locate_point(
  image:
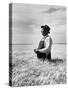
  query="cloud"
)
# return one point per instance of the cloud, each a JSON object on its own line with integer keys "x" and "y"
{"x": 53, "y": 9}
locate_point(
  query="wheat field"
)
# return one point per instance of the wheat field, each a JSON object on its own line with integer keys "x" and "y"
{"x": 28, "y": 70}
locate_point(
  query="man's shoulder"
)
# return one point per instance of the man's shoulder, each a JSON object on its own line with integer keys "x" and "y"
{"x": 48, "y": 38}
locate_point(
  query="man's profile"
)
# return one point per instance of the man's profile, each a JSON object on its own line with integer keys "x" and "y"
{"x": 44, "y": 47}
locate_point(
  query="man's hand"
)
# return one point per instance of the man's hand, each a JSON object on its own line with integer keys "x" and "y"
{"x": 36, "y": 50}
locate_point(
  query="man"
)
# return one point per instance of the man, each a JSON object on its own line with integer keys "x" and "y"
{"x": 44, "y": 49}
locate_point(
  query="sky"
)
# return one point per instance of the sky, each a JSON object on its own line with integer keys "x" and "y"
{"x": 28, "y": 18}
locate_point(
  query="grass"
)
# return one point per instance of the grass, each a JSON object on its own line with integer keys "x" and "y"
{"x": 30, "y": 71}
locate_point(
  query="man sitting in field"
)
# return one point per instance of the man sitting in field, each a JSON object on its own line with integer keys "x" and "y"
{"x": 44, "y": 49}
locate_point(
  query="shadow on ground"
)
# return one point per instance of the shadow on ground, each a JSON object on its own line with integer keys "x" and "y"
{"x": 56, "y": 60}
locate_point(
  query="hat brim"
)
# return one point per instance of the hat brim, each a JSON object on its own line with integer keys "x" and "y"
{"x": 42, "y": 26}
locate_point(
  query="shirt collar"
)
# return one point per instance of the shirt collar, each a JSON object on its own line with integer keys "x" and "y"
{"x": 46, "y": 36}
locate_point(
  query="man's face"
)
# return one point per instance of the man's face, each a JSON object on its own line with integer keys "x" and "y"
{"x": 44, "y": 33}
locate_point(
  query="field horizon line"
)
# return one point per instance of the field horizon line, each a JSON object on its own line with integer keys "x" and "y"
{"x": 32, "y": 44}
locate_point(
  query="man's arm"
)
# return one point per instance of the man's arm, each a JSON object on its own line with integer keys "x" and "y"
{"x": 47, "y": 44}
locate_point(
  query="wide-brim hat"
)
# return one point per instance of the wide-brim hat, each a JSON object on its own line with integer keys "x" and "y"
{"x": 46, "y": 28}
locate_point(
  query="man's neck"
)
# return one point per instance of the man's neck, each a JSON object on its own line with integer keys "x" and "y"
{"x": 46, "y": 35}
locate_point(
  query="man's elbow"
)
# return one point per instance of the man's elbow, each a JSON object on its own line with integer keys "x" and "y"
{"x": 47, "y": 50}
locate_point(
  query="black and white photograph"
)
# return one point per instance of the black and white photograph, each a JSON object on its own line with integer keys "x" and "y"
{"x": 37, "y": 44}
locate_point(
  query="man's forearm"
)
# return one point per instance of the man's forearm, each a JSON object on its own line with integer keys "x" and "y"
{"x": 44, "y": 50}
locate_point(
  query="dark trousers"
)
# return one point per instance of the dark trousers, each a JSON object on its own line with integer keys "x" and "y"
{"x": 43, "y": 55}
